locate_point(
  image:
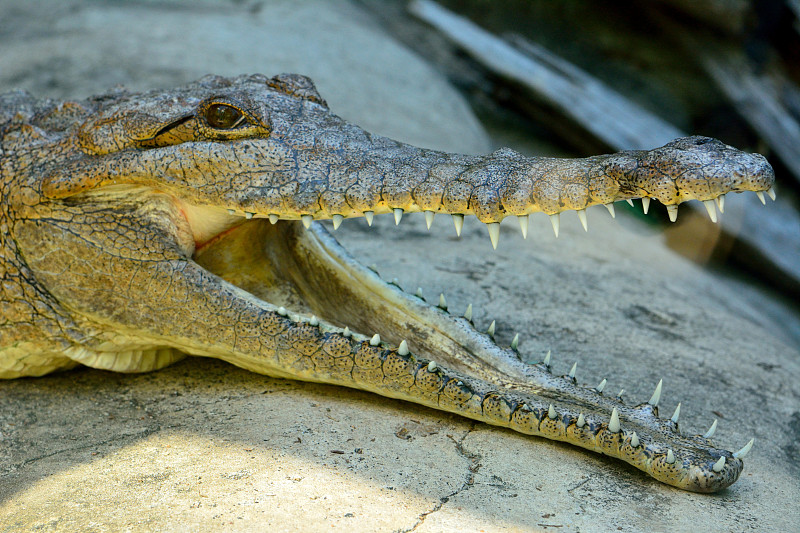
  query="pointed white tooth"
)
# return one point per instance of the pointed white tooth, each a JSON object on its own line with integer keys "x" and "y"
{"x": 745, "y": 450}
{"x": 630, "y": 202}
{"x": 602, "y": 385}
{"x": 458, "y": 222}
{"x": 761, "y": 197}
{"x": 432, "y": 366}
{"x": 712, "y": 210}
{"x": 273, "y": 219}
{"x": 676, "y": 414}
{"x": 396, "y": 282}
{"x": 515, "y": 342}
{"x": 403, "y": 348}
{"x": 713, "y": 429}
{"x": 492, "y": 328}
{"x": 621, "y": 392}
{"x": 314, "y": 321}
{"x": 494, "y": 233}
{"x": 468, "y": 313}
{"x": 613, "y": 424}
{"x": 645, "y": 204}
{"x": 248, "y": 215}
{"x": 375, "y": 340}
{"x": 337, "y": 221}
{"x": 369, "y": 216}
{"x": 572, "y": 370}
{"x": 442, "y": 302}
{"x": 546, "y": 361}
{"x": 672, "y": 211}
{"x": 654, "y": 399}
{"x": 581, "y": 420}
{"x": 418, "y": 294}
{"x": 523, "y": 225}
{"x": 556, "y": 222}
{"x": 610, "y": 207}
{"x": 719, "y": 465}
{"x": 429, "y": 218}
{"x": 307, "y": 219}
{"x": 582, "y": 218}
{"x": 373, "y": 267}
{"x": 771, "y": 193}
{"x": 670, "y": 456}
{"x": 231, "y": 212}
{"x": 720, "y": 200}
{"x": 282, "y": 311}
{"x": 346, "y": 332}
{"x": 398, "y": 215}
{"x": 635, "y": 440}
{"x": 551, "y": 412}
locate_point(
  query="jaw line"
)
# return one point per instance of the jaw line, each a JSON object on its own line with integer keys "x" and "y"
{"x": 309, "y": 273}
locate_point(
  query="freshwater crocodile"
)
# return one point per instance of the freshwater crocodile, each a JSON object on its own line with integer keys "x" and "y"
{"x": 136, "y": 228}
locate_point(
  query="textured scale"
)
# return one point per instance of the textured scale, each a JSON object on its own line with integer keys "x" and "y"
{"x": 135, "y": 228}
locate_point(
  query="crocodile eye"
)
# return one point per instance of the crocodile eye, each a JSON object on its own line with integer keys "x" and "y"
{"x": 223, "y": 116}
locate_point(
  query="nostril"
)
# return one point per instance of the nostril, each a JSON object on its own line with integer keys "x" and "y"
{"x": 702, "y": 140}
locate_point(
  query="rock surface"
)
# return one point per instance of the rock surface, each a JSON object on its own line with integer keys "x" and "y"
{"x": 206, "y": 446}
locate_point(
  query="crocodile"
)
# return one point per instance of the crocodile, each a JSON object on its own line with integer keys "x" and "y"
{"x": 137, "y": 228}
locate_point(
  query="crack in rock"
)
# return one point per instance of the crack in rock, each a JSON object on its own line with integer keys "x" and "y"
{"x": 474, "y": 467}
{"x": 139, "y": 435}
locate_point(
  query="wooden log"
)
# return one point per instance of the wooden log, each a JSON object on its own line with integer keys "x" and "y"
{"x": 728, "y": 15}
{"x": 769, "y": 238}
{"x": 603, "y": 112}
{"x": 759, "y": 97}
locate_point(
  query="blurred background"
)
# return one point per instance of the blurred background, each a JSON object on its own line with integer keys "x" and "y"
{"x": 578, "y": 77}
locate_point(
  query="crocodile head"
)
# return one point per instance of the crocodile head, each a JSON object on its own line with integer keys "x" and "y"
{"x": 183, "y": 221}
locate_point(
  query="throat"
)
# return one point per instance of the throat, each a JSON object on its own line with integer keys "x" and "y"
{"x": 208, "y": 222}
{"x": 255, "y": 256}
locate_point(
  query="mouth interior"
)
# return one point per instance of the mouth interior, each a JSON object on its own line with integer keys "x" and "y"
{"x": 308, "y": 272}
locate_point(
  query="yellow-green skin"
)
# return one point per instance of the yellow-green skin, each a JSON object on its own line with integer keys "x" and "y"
{"x": 135, "y": 228}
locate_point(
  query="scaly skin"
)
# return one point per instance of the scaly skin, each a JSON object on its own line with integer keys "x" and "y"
{"x": 140, "y": 227}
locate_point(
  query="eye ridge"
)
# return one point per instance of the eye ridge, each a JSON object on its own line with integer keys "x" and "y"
{"x": 223, "y": 116}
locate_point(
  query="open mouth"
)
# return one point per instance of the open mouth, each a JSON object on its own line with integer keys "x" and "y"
{"x": 308, "y": 274}
{"x": 428, "y": 355}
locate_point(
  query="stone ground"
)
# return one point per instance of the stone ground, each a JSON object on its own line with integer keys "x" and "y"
{"x": 204, "y": 446}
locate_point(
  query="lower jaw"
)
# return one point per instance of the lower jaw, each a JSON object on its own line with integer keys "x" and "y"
{"x": 309, "y": 274}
